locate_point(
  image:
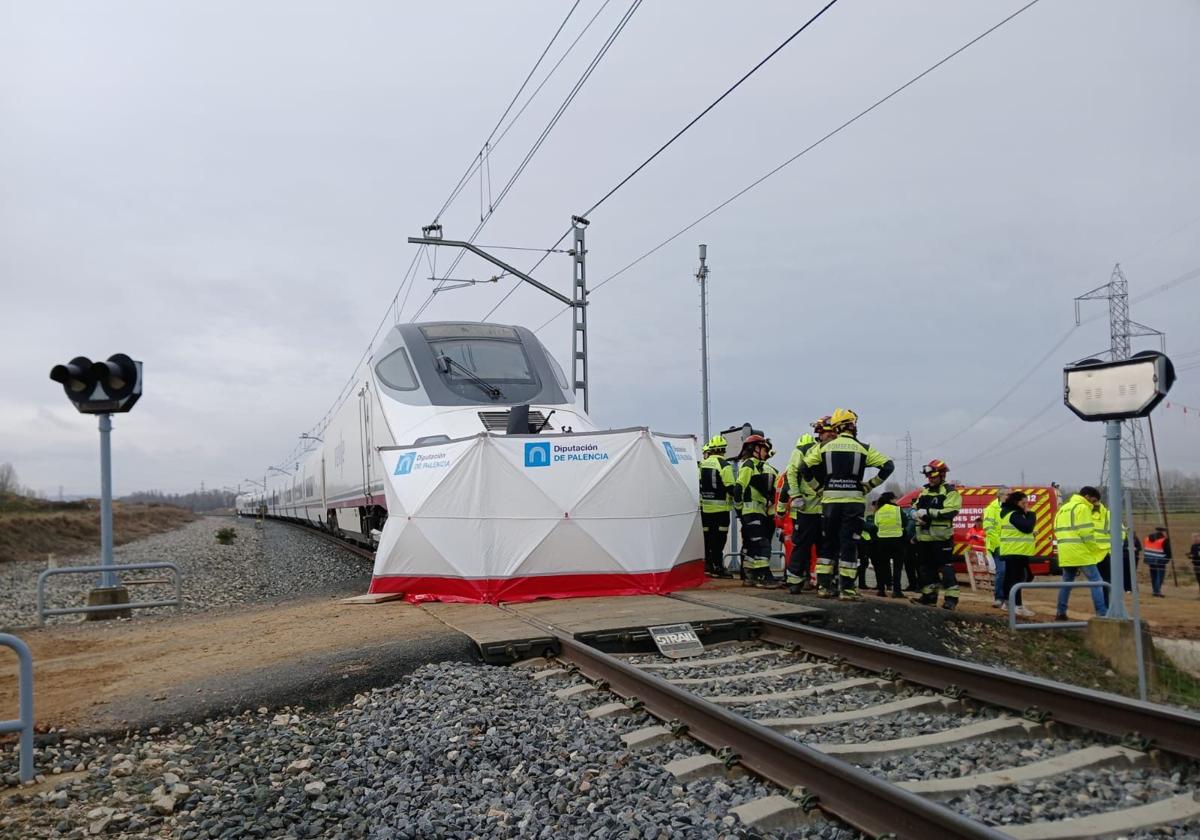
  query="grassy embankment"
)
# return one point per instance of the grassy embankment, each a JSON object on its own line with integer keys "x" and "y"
{"x": 31, "y": 529}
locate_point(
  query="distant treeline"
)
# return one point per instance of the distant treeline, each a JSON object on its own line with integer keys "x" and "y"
{"x": 198, "y": 501}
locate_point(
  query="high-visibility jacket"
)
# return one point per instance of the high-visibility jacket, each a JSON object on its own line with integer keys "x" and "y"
{"x": 755, "y": 487}
{"x": 1154, "y": 549}
{"x": 889, "y": 522}
{"x": 1101, "y": 522}
{"x": 1013, "y": 541}
{"x": 838, "y": 467}
{"x": 991, "y": 524}
{"x": 797, "y": 486}
{"x": 868, "y": 528}
{"x": 716, "y": 485}
{"x": 943, "y": 503}
{"x": 1074, "y": 533}
{"x": 976, "y": 539}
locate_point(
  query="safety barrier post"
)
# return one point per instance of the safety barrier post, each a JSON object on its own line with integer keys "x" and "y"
{"x": 24, "y": 721}
{"x": 42, "y": 611}
{"x": 1048, "y": 625}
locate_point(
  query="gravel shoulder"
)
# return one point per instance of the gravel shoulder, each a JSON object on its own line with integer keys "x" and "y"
{"x": 114, "y": 676}
{"x": 262, "y": 625}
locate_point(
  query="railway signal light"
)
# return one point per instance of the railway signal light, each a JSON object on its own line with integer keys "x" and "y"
{"x": 108, "y": 387}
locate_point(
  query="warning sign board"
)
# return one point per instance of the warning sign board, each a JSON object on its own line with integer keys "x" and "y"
{"x": 676, "y": 640}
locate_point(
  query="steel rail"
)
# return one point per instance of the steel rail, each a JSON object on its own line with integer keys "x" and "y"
{"x": 1165, "y": 727}
{"x": 840, "y": 789}
{"x": 313, "y": 530}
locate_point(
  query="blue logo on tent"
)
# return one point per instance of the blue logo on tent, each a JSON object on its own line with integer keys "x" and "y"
{"x": 671, "y": 452}
{"x": 537, "y": 454}
{"x": 405, "y": 464}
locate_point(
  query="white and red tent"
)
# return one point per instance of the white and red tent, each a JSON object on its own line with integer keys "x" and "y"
{"x": 519, "y": 517}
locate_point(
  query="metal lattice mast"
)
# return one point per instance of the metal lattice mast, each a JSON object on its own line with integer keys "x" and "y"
{"x": 910, "y": 477}
{"x": 1135, "y": 461}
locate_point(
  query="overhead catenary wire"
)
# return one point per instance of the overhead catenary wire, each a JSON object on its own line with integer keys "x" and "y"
{"x": 486, "y": 148}
{"x": 825, "y": 138}
{"x": 516, "y": 117}
{"x": 710, "y": 106}
{"x": 673, "y": 138}
{"x": 562, "y": 108}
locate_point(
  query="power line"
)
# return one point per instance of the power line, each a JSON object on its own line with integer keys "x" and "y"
{"x": 805, "y": 151}
{"x": 1008, "y": 437}
{"x": 711, "y": 105}
{"x": 1015, "y": 387}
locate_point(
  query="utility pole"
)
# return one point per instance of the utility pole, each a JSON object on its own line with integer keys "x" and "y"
{"x": 1135, "y": 462}
{"x": 579, "y": 359}
{"x": 702, "y": 278}
{"x": 577, "y": 302}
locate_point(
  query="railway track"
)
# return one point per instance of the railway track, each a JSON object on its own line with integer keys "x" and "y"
{"x": 871, "y": 735}
{"x": 353, "y": 548}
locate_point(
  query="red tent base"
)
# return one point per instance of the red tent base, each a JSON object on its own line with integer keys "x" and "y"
{"x": 494, "y": 590}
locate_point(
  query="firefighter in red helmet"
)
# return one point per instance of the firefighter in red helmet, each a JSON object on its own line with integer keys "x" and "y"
{"x": 755, "y": 496}
{"x": 933, "y": 511}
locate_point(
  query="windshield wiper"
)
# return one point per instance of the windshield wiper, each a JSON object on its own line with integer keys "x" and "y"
{"x": 487, "y": 387}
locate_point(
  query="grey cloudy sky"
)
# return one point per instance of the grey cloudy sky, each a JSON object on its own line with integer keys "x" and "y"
{"x": 224, "y": 191}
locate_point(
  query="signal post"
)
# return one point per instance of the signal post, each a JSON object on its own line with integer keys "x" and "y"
{"x": 103, "y": 388}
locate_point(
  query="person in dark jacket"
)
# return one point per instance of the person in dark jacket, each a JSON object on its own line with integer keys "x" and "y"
{"x": 1194, "y": 553}
{"x": 1016, "y": 543}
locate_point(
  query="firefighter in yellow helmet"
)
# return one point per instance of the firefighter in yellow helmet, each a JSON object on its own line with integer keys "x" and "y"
{"x": 933, "y": 511}
{"x": 805, "y": 503}
{"x": 838, "y": 467}
{"x": 717, "y": 485}
{"x": 755, "y": 492}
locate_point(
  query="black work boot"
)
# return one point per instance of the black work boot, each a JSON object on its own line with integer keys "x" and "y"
{"x": 949, "y": 603}
{"x": 929, "y": 599}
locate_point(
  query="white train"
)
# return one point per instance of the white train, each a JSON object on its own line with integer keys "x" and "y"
{"x": 427, "y": 383}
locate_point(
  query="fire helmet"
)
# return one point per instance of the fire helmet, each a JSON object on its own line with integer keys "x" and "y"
{"x": 935, "y": 467}
{"x": 843, "y": 418}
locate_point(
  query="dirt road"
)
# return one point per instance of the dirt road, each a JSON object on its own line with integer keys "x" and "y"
{"x": 107, "y": 677}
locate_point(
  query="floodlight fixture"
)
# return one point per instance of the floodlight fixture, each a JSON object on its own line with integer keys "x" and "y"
{"x": 1120, "y": 390}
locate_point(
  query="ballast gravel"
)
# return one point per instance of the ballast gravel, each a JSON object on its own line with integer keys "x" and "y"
{"x": 1078, "y": 794}
{"x": 453, "y": 750}
{"x": 974, "y": 757}
{"x": 274, "y": 562}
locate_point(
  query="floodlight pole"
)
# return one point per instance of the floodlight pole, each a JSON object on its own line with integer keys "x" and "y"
{"x": 702, "y": 278}
{"x": 578, "y": 301}
{"x": 1116, "y": 545}
{"x": 108, "y": 578}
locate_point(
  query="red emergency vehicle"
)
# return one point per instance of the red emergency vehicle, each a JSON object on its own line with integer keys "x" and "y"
{"x": 1043, "y": 501}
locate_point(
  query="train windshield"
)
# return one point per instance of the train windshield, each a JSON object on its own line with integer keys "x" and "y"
{"x": 485, "y": 369}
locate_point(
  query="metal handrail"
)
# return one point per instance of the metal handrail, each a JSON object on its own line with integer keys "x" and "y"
{"x": 42, "y": 611}
{"x": 24, "y": 721}
{"x": 1052, "y": 584}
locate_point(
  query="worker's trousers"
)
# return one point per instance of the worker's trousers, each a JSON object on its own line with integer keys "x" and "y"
{"x": 842, "y": 523}
{"x": 936, "y": 561}
{"x": 887, "y": 555}
{"x": 806, "y": 535}
{"x": 757, "y": 531}
{"x": 716, "y": 532}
